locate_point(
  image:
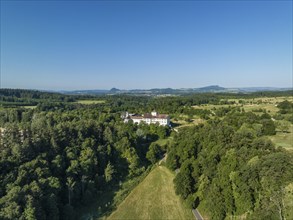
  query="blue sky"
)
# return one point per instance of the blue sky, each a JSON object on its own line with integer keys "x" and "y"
{"x": 145, "y": 44}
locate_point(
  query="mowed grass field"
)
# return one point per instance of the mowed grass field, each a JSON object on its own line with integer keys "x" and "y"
{"x": 90, "y": 102}
{"x": 153, "y": 198}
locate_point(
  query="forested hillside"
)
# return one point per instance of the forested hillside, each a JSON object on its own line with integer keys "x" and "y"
{"x": 56, "y": 160}
{"x": 229, "y": 168}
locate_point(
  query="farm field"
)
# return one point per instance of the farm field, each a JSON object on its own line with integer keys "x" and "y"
{"x": 154, "y": 198}
{"x": 90, "y": 102}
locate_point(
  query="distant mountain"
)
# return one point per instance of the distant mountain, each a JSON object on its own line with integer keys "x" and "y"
{"x": 214, "y": 88}
{"x": 114, "y": 90}
{"x": 170, "y": 91}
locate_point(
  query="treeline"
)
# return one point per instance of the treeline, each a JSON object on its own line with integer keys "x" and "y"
{"x": 168, "y": 105}
{"x": 251, "y": 95}
{"x": 230, "y": 169}
{"x": 132, "y": 103}
{"x": 180, "y": 104}
{"x": 52, "y": 162}
{"x": 31, "y": 94}
{"x": 23, "y": 97}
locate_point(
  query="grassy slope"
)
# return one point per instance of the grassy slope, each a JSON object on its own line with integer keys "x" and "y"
{"x": 154, "y": 198}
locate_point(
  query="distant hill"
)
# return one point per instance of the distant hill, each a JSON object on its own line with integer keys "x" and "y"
{"x": 166, "y": 91}
{"x": 214, "y": 88}
{"x": 84, "y": 92}
{"x": 114, "y": 90}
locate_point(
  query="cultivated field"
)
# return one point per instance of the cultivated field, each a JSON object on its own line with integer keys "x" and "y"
{"x": 90, "y": 101}
{"x": 154, "y": 198}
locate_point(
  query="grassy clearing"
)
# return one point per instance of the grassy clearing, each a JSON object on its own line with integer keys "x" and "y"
{"x": 90, "y": 101}
{"x": 30, "y": 106}
{"x": 193, "y": 122}
{"x": 184, "y": 120}
{"x": 153, "y": 198}
{"x": 164, "y": 142}
{"x": 282, "y": 139}
{"x": 271, "y": 108}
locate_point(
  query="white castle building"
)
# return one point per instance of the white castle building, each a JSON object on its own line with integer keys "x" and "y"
{"x": 149, "y": 118}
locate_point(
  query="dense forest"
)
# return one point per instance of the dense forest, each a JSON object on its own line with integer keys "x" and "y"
{"x": 231, "y": 169}
{"x": 22, "y": 97}
{"x": 52, "y": 162}
{"x": 61, "y": 154}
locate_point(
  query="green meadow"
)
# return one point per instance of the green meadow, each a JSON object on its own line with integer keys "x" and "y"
{"x": 90, "y": 101}
{"x": 153, "y": 198}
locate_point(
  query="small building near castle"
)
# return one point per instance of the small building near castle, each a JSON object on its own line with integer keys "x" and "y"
{"x": 149, "y": 118}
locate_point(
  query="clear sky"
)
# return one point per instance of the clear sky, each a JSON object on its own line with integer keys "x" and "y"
{"x": 145, "y": 44}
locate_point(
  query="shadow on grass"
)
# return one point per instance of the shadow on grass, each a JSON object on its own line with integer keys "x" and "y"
{"x": 174, "y": 125}
{"x": 107, "y": 201}
{"x": 101, "y": 206}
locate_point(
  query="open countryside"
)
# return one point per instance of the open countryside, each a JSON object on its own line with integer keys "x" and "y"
{"x": 88, "y": 162}
{"x": 282, "y": 138}
{"x": 255, "y": 104}
{"x": 146, "y": 110}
